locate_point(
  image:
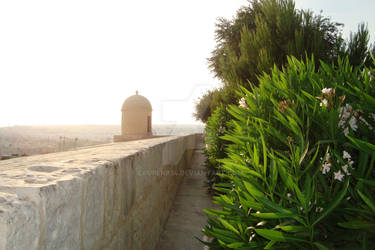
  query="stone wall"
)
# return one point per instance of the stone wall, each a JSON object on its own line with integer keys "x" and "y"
{"x": 113, "y": 196}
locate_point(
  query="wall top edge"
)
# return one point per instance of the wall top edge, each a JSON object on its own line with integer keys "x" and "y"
{"x": 43, "y": 170}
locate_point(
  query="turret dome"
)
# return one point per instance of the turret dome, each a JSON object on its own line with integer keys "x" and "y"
{"x": 136, "y": 102}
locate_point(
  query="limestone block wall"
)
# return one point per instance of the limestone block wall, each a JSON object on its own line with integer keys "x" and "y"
{"x": 113, "y": 196}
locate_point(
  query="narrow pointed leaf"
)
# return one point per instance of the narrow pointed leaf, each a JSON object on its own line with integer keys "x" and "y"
{"x": 334, "y": 203}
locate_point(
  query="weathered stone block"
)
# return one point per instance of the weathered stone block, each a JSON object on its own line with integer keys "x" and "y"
{"x": 19, "y": 223}
{"x": 112, "y": 209}
{"x": 147, "y": 166}
{"x": 127, "y": 185}
{"x": 62, "y": 212}
{"x": 93, "y": 208}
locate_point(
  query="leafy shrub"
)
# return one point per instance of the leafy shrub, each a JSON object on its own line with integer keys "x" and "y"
{"x": 263, "y": 33}
{"x": 202, "y": 107}
{"x": 215, "y": 145}
{"x": 300, "y": 169}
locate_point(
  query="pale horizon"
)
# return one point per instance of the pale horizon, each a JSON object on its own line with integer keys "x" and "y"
{"x": 75, "y": 62}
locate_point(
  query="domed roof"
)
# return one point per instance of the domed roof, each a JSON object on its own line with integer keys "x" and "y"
{"x": 136, "y": 102}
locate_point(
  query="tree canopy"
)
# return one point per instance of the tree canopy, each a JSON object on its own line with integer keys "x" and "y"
{"x": 262, "y": 35}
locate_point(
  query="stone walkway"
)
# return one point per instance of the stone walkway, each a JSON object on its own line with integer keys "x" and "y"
{"x": 186, "y": 219}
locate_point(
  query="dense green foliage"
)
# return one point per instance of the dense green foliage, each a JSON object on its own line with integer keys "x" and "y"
{"x": 202, "y": 106}
{"x": 216, "y": 126}
{"x": 358, "y": 49}
{"x": 263, "y": 34}
{"x": 300, "y": 166}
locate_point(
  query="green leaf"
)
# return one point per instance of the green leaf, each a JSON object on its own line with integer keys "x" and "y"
{"x": 366, "y": 181}
{"x": 256, "y": 155}
{"x": 251, "y": 204}
{"x": 279, "y": 209}
{"x": 274, "y": 174}
{"x": 367, "y": 200}
{"x": 272, "y": 215}
{"x": 300, "y": 196}
{"x": 285, "y": 176}
{"x": 216, "y": 212}
{"x": 227, "y": 225}
{"x": 231, "y": 138}
{"x": 219, "y": 236}
{"x": 226, "y": 233}
{"x": 312, "y": 161}
{"x": 236, "y": 245}
{"x": 356, "y": 224}
{"x": 334, "y": 203}
{"x": 292, "y": 229}
{"x": 270, "y": 244}
{"x": 271, "y": 235}
{"x": 277, "y": 235}
{"x": 238, "y": 168}
{"x": 274, "y": 206}
{"x": 320, "y": 246}
{"x": 363, "y": 145}
{"x": 253, "y": 190}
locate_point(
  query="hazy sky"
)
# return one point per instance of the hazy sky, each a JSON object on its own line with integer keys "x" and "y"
{"x": 75, "y": 62}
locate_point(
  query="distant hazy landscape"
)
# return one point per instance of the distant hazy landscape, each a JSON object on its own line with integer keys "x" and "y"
{"x": 31, "y": 140}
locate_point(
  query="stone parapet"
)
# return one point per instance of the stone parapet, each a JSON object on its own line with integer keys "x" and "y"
{"x": 113, "y": 196}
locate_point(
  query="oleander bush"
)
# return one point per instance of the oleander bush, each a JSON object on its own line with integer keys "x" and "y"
{"x": 299, "y": 165}
{"x": 216, "y": 127}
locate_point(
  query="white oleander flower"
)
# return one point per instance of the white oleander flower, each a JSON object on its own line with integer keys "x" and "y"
{"x": 345, "y": 112}
{"x": 342, "y": 123}
{"x": 339, "y": 176}
{"x": 324, "y": 102}
{"x": 326, "y": 168}
{"x": 346, "y": 155}
{"x": 319, "y": 209}
{"x": 326, "y": 90}
{"x": 353, "y": 123}
{"x": 345, "y": 168}
{"x": 242, "y": 102}
{"x": 328, "y": 157}
{"x": 344, "y": 115}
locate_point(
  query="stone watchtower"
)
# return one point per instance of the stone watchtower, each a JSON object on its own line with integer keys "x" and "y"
{"x": 136, "y": 122}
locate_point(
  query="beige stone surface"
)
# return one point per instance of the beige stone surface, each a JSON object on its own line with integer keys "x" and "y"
{"x": 113, "y": 196}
